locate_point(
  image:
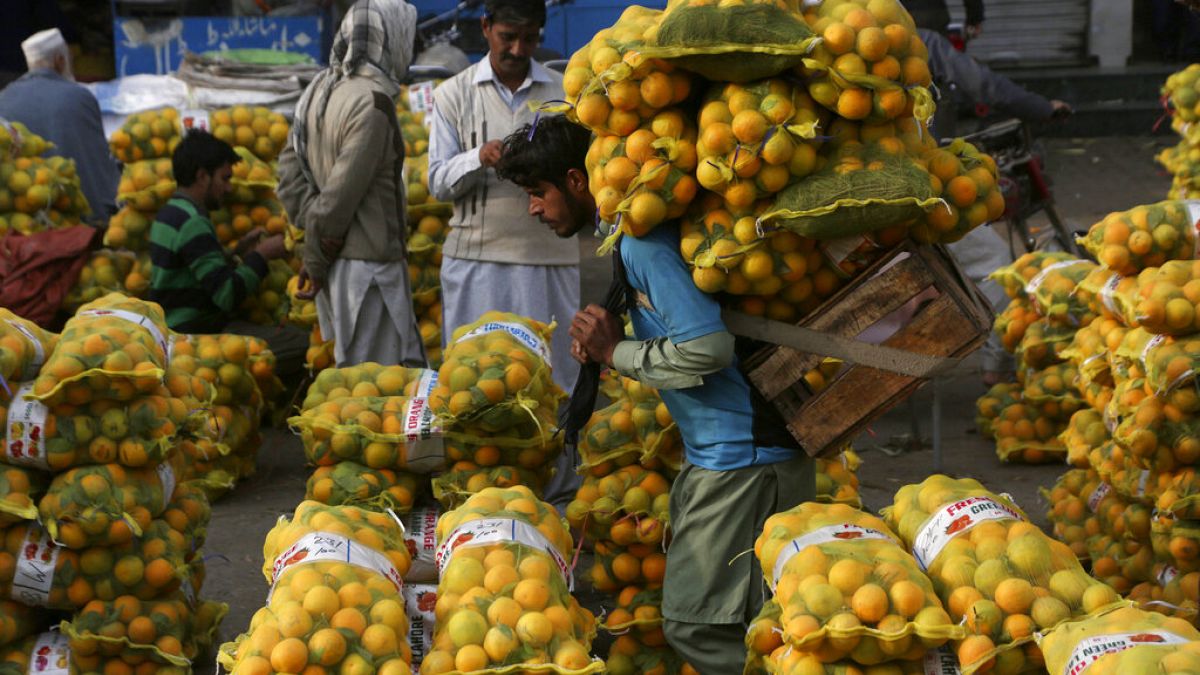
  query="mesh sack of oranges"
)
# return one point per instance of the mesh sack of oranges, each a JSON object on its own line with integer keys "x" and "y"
{"x": 463, "y": 479}
{"x": 1178, "y": 496}
{"x": 645, "y": 176}
{"x": 496, "y": 373}
{"x": 1053, "y": 389}
{"x": 529, "y": 445}
{"x": 1125, "y": 640}
{"x": 1042, "y": 346}
{"x": 39, "y": 573}
{"x": 235, "y": 219}
{"x": 1128, "y": 242}
{"x": 237, "y": 366}
{"x": 756, "y": 139}
{"x": 637, "y": 612}
{"x": 966, "y": 181}
{"x": 1097, "y": 396}
{"x": 16, "y": 140}
{"x": 147, "y": 135}
{"x": 985, "y": 560}
{"x": 335, "y": 597}
{"x": 1011, "y": 324}
{"x": 1090, "y": 347}
{"x": 252, "y": 172}
{"x": 1085, "y": 430}
{"x": 1053, "y": 292}
{"x": 113, "y": 348}
{"x": 204, "y": 462}
{"x": 1182, "y": 90}
{"x": 837, "y": 482}
{"x": 256, "y": 129}
{"x": 348, "y": 483}
{"x": 1014, "y": 277}
{"x": 1163, "y": 299}
{"x": 146, "y": 186}
{"x": 129, "y": 228}
{"x": 615, "y": 567}
{"x": 1169, "y": 363}
{"x": 396, "y": 432}
{"x": 1171, "y": 593}
{"x": 862, "y": 187}
{"x": 1099, "y": 290}
{"x": 869, "y": 62}
{"x": 1158, "y": 429}
{"x": 736, "y": 41}
{"x": 268, "y": 306}
{"x": 504, "y": 594}
{"x": 1072, "y": 520}
{"x": 728, "y": 254}
{"x": 612, "y": 86}
{"x": 1128, "y": 477}
{"x": 135, "y": 434}
{"x": 23, "y": 349}
{"x": 1120, "y": 562}
{"x": 628, "y": 506}
{"x": 40, "y": 194}
{"x": 161, "y": 631}
{"x": 319, "y": 355}
{"x": 871, "y": 604}
{"x": 107, "y": 504}
{"x": 989, "y": 406}
{"x": 20, "y": 490}
{"x": 20, "y": 621}
{"x": 1176, "y": 541}
{"x": 137, "y": 283}
{"x": 102, "y": 274}
{"x": 636, "y": 428}
{"x": 628, "y": 655}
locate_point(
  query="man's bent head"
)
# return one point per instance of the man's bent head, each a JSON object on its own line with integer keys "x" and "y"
{"x": 548, "y": 159}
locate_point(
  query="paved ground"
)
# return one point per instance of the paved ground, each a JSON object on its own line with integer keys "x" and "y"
{"x": 1092, "y": 177}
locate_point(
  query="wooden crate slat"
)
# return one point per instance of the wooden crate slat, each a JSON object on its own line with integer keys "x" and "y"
{"x": 862, "y": 394}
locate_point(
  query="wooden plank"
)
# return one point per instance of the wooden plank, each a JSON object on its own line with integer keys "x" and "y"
{"x": 778, "y": 368}
{"x": 860, "y": 395}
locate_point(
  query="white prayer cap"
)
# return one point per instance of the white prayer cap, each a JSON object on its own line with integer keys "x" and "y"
{"x": 43, "y": 45}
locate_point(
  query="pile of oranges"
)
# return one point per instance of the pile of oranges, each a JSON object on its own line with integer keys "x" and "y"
{"x": 147, "y": 135}
{"x": 255, "y": 129}
{"x": 1128, "y": 242}
{"x": 966, "y": 181}
{"x": 38, "y": 193}
{"x": 1135, "y": 641}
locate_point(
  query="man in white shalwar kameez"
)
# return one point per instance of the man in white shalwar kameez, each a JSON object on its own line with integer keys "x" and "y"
{"x": 340, "y": 178}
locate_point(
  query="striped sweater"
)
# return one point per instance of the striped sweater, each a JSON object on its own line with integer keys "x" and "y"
{"x": 193, "y": 278}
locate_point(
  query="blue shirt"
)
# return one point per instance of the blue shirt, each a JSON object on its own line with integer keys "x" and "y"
{"x": 716, "y": 418}
{"x": 67, "y": 115}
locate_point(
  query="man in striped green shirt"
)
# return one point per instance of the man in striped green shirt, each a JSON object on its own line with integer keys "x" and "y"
{"x": 198, "y": 283}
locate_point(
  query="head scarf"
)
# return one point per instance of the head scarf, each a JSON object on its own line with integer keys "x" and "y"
{"x": 375, "y": 33}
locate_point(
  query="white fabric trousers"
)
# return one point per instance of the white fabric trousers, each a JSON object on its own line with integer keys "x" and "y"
{"x": 366, "y": 309}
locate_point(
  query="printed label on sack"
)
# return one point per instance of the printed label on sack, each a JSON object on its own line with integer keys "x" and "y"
{"x": 1092, "y": 649}
{"x": 497, "y": 530}
{"x": 51, "y": 655}
{"x": 328, "y": 547}
{"x": 194, "y": 119}
{"x": 1166, "y": 575}
{"x": 39, "y": 352}
{"x": 1143, "y": 478}
{"x": 829, "y": 533}
{"x": 425, "y": 385}
{"x": 420, "y": 97}
{"x": 940, "y": 662}
{"x": 420, "y": 537}
{"x": 1153, "y": 343}
{"x": 35, "y": 568}
{"x": 1108, "y": 296}
{"x": 26, "y": 430}
{"x": 531, "y": 340}
{"x": 420, "y": 600}
{"x": 1098, "y": 496}
{"x": 1193, "y": 208}
{"x": 166, "y": 476}
{"x": 423, "y": 448}
{"x": 952, "y": 520}
{"x": 135, "y": 318}
{"x": 1036, "y": 282}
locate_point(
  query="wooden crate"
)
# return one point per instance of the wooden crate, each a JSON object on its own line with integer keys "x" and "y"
{"x": 953, "y": 322}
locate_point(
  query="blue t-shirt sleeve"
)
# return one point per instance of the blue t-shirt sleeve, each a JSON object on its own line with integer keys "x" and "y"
{"x": 655, "y": 267}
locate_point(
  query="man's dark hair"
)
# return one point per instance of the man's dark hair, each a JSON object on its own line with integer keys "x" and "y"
{"x": 516, "y": 11}
{"x": 544, "y": 151}
{"x": 200, "y": 150}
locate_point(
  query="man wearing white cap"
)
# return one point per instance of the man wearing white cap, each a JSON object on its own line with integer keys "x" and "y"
{"x": 48, "y": 101}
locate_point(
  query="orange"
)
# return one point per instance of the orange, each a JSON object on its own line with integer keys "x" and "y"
{"x": 854, "y": 103}
{"x": 839, "y": 38}
{"x": 872, "y": 43}
{"x": 962, "y": 190}
{"x": 870, "y": 603}
{"x": 289, "y": 656}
